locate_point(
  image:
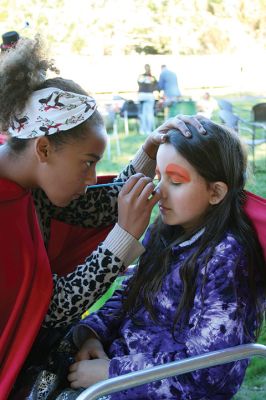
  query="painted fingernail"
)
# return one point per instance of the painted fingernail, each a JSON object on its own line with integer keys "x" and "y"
{"x": 202, "y": 130}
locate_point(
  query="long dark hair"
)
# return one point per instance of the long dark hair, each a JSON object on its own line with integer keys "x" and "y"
{"x": 217, "y": 156}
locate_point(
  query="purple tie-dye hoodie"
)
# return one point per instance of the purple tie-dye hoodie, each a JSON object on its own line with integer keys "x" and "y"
{"x": 216, "y": 321}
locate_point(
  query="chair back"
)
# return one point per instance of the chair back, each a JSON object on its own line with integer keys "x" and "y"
{"x": 131, "y": 108}
{"x": 225, "y": 105}
{"x": 229, "y": 119}
{"x": 259, "y": 112}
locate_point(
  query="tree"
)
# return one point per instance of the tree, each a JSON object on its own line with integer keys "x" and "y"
{"x": 139, "y": 26}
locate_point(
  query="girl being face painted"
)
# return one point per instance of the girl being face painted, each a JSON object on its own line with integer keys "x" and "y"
{"x": 186, "y": 196}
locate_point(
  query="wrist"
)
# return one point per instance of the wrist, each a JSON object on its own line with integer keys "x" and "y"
{"x": 150, "y": 148}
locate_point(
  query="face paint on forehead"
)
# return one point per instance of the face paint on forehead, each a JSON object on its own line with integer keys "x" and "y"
{"x": 177, "y": 173}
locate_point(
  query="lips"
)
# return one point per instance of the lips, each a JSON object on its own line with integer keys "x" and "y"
{"x": 163, "y": 208}
{"x": 78, "y": 194}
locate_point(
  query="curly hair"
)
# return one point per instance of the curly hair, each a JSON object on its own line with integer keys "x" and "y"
{"x": 22, "y": 70}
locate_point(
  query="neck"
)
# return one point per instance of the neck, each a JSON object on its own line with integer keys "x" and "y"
{"x": 17, "y": 168}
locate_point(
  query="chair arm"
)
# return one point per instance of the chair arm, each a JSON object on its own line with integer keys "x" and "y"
{"x": 174, "y": 368}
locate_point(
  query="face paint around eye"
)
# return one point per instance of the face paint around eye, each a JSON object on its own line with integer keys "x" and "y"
{"x": 177, "y": 173}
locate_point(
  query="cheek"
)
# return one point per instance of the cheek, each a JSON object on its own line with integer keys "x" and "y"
{"x": 187, "y": 195}
{"x": 69, "y": 177}
{"x": 83, "y": 172}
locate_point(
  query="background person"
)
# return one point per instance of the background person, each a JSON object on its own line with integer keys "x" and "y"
{"x": 147, "y": 85}
{"x": 206, "y": 105}
{"x": 169, "y": 85}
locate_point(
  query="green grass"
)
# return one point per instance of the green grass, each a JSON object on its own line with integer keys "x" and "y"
{"x": 254, "y": 385}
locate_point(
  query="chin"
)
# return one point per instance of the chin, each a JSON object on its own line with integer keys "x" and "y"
{"x": 61, "y": 203}
{"x": 168, "y": 221}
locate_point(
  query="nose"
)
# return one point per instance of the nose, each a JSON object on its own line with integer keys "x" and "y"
{"x": 91, "y": 178}
{"x": 160, "y": 188}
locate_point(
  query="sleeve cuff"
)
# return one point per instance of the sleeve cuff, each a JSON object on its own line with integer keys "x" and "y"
{"x": 123, "y": 245}
{"x": 80, "y": 334}
{"x": 143, "y": 163}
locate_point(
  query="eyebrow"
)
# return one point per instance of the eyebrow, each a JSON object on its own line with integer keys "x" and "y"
{"x": 93, "y": 155}
{"x": 177, "y": 170}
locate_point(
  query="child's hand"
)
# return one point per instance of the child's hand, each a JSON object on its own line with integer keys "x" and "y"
{"x": 179, "y": 122}
{"x": 92, "y": 348}
{"x": 135, "y": 203}
{"x": 87, "y": 372}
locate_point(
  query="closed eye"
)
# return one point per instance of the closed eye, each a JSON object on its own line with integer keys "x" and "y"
{"x": 176, "y": 183}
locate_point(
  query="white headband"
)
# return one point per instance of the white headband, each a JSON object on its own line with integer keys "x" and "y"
{"x": 49, "y": 111}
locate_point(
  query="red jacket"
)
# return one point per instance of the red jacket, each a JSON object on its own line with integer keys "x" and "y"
{"x": 26, "y": 278}
{"x": 25, "y": 282}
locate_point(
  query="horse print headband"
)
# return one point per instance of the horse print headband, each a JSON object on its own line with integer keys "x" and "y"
{"x": 49, "y": 111}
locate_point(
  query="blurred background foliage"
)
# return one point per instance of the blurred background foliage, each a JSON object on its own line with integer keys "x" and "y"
{"x": 123, "y": 27}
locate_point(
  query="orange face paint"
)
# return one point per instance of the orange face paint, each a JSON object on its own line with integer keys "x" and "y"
{"x": 177, "y": 173}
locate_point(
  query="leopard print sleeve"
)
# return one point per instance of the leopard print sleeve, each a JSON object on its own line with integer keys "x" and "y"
{"x": 76, "y": 292}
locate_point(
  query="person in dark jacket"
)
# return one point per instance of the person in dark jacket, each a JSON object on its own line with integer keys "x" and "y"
{"x": 147, "y": 85}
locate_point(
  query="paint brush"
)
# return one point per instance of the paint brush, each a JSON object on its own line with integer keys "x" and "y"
{"x": 111, "y": 184}
{"x": 103, "y": 185}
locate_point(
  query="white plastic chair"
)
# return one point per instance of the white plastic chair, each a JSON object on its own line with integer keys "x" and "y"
{"x": 238, "y": 124}
{"x": 129, "y": 110}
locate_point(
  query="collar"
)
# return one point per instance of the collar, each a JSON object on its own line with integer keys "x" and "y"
{"x": 193, "y": 239}
{"x": 187, "y": 242}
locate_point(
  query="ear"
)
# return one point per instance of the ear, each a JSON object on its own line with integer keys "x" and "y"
{"x": 218, "y": 192}
{"x": 42, "y": 148}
